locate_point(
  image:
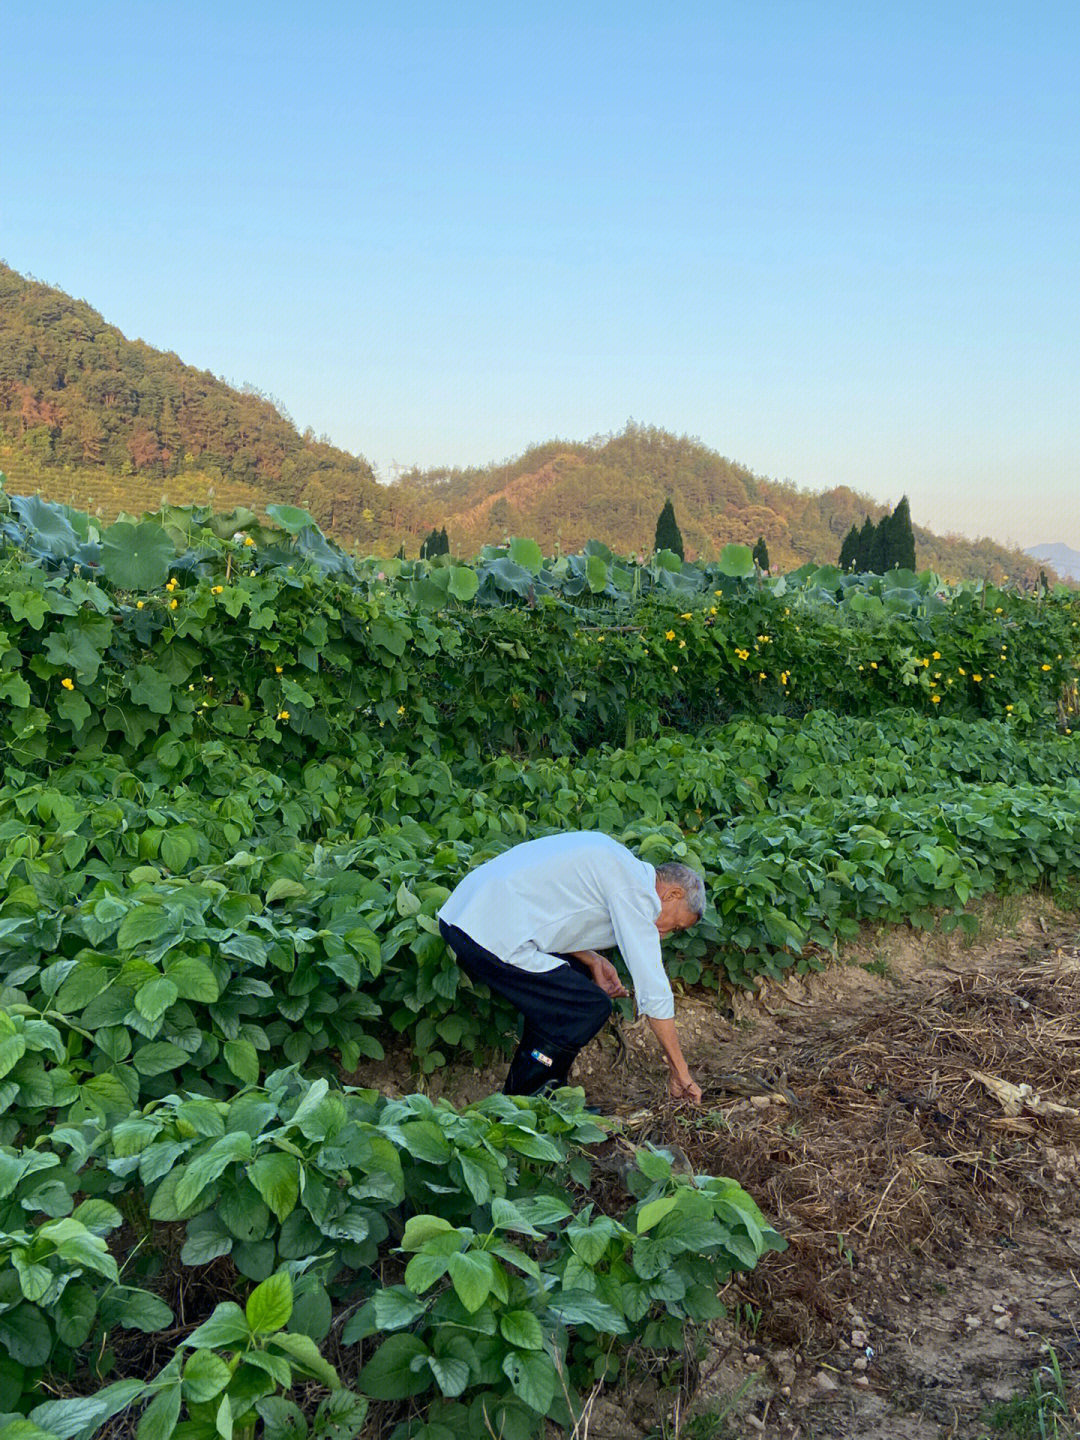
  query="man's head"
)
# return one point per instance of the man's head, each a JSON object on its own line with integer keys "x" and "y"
{"x": 682, "y": 897}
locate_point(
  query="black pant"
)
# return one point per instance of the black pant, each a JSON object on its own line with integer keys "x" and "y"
{"x": 562, "y": 1008}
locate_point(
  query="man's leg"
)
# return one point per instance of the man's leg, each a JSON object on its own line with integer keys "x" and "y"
{"x": 562, "y": 1008}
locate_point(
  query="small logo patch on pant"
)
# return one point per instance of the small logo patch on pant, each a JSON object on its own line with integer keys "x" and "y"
{"x": 544, "y": 1059}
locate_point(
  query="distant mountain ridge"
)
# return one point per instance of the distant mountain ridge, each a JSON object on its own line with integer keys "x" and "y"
{"x": 108, "y": 424}
{"x": 1063, "y": 558}
{"x": 562, "y": 493}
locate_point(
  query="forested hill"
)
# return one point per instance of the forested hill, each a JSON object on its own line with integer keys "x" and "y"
{"x": 562, "y": 493}
{"x": 90, "y": 417}
{"x": 108, "y": 424}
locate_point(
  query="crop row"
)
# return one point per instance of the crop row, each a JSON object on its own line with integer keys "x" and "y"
{"x": 446, "y": 1243}
{"x": 281, "y": 665}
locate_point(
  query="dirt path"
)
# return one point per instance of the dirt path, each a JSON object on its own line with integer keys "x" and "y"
{"x": 933, "y": 1213}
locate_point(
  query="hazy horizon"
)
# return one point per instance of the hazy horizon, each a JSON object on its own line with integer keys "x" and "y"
{"x": 835, "y": 245}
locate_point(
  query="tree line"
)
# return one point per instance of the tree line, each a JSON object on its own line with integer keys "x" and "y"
{"x": 875, "y": 549}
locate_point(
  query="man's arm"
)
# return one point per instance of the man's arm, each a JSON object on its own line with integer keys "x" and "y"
{"x": 602, "y": 971}
{"x": 681, "y": 1083}
{"x": 639, "y": 942}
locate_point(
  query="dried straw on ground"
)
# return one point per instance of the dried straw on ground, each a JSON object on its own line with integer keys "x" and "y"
{"x": 942, "y": 1109}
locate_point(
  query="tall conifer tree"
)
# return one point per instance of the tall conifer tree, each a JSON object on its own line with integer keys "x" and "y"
{"x": 901, "y": 537}
{"x": 761, "y": 553}
{"x": 879, "y": 549}
{"x": 668, "y": 535}
{"x": 849, "y": 551}
{"x": 866, "y": 545}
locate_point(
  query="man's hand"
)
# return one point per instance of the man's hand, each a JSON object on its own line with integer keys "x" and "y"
{"x": 607, "y": 977}
{"x": 603, "y": 973}
{"x": 681, "y": 1084}
{"x": 684, "y": 1089}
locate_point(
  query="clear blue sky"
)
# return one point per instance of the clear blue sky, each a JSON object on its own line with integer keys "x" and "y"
{"x": 837, "y": 242}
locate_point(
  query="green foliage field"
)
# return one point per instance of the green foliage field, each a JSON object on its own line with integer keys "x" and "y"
{"x": 241, "y": 772}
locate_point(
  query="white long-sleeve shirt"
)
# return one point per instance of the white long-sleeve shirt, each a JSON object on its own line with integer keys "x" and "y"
{"x": 577, "y": 891}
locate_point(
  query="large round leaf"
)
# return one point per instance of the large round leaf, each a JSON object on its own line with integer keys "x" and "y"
{"x": 597, "y": 572}
{"x": 668, "y": 560}
{"x": 427, "y": 594}
{"x": 464, "y": 582}
{"x": 290, "y": 518}
{"x": 737, "y": 561}
{"x": 527, "y": 554}
{"x": 899, "y": 579}
{"x": 136, "y": 557}
{"x": 827, "y": 576}
{"x": 49, "y": 530}
{"x": 506, "y": 576}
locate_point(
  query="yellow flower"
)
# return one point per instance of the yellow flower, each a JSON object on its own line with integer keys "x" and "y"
{"x": 991, "y": 675}
{"x": 935, "y": 699}
{"x": 960, "y": 670}
{"x": 283, "y": 714}
{"x": 277, "y": 670}
{"x": 138, "y": 604}
{"x": 1008, "y": 707}
{"x": 712, "y": 609}
{"x": 873, "y": 664}
{"x": 763, "y": 639}
{"x": 173, "y": 604}
{"x": 401, "y": 709}
{"x": 674, "y": 667}
{"x": 862, "y": 667}
{"x": 682, "y": 644}
{"x": 67, "y": 684}
{"x": 171, "y": 586}
{"x": 976, "y": 678}
{"x": 999, "y": 611}
{"x": 742, "y": 654}
{"x": 1047, "y": 667}
{"x": 669, "y": 635}
{"x": 191, "y": 687}
{"x": 248, "y": 541}
{"x": 936, "y": 655}
{"x": 687, "y": 616}
{"x": 925, "y": 664}
{"x": 761, "y": 675}
{"x": 217, "y": 589}
{"x": 718, "y": 592}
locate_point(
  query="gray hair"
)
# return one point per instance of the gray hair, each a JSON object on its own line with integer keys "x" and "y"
{"x": 690, "y": 882}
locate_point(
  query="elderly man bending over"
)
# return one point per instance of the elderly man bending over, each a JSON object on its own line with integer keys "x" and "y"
{"x": 529, "y": 923}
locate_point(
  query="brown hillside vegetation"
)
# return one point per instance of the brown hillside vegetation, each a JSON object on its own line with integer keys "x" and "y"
{"x": 563, "y": 493}
{"x": 94, "y": 419}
